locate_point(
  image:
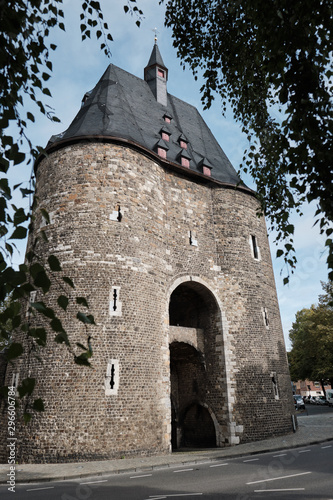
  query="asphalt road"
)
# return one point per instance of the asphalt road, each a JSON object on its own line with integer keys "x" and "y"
{"x": 316, "y": 409}
{"x": 300, "y": 474}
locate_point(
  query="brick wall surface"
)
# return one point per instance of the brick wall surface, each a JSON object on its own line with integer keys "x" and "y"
{"x": 149, "y": 259}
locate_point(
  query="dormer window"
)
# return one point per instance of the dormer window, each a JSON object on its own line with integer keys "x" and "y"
{"x": 206, "y": 167}
{"x": 165, "y": 134}
{"x": 182, "y": 141}
{"x": 160, "y": 73}
{"x": 184, "y": 158}
{"x": 206, "y": 171}
{"x": 161, "y": 147}
{"x": 167, "y": 118}
{"x": 161, "y": 152}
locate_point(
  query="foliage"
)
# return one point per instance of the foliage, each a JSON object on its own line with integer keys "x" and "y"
{"x": 272, "y": 60}
{"x": 25, "y": 68}
{"x": 311, "y": 338}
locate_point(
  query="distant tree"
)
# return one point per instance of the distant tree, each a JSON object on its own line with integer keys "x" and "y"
{"x": 311, "y": 335}
{"x": 272, "y": 60}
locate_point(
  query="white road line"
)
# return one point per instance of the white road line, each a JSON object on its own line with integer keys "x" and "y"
{"x": 155, "y": 497}
{"x": 95, "y": 482}
{"x": 289, "y": 489}
{"x": 37, "y": 489}
{"x": 282, "y": 477}
{"x": 281, "y": 455}
{"x": 251, "y": 460}
{"x": 182, "y": 470}
{"x": 143, "y": 475}
{"x": 218, "y": 465}
{"x": 329, "y": 446}
{"x": 303, "y": 451}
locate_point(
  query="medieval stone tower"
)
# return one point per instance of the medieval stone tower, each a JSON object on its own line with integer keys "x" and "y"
{"x": 150, "y": 220}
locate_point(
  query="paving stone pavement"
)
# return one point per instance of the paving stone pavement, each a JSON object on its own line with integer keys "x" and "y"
{"x": 311, "y": 429}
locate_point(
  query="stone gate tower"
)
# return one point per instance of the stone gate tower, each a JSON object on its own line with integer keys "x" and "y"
{"x": 151, "y": 221}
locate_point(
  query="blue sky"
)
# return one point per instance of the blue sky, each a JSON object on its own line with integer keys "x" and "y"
{"x": 78, "y": 66}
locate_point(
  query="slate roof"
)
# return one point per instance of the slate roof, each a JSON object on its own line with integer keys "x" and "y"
{"x": 122, "y": 107}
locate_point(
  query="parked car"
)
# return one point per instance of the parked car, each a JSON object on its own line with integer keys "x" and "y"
{"x": 313, "y": 400}
{"x": 298, "y": 402}
{"x": 329, "y": 397}
{"x": 321, "y": 400}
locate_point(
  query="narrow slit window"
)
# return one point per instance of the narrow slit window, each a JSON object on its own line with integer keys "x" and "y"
{"x": 275, "y": 385}
{"x": 265, "y": 316}
{"x": 111, "y": 382}
{"x": 160, "y": 73}
{"x": 193, "y": 240}
{"x": 115, "y": 307}
{"x": 255, "y": 249}
{"x": 116, "y": 215}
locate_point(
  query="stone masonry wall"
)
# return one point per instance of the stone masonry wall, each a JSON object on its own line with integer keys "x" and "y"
{"x": 143, "y": 258}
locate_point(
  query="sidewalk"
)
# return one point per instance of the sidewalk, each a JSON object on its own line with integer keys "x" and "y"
{"x": 311, "y": 430}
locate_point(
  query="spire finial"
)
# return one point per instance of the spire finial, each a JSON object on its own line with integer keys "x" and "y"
{"x": 155, "y": 37}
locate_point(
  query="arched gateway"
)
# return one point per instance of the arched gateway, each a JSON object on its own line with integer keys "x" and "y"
{"x": 199, "y": 405}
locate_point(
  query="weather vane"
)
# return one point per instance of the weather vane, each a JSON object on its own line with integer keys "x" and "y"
{"x": 155, "y": 31}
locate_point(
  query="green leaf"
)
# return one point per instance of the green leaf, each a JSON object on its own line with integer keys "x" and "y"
{"x": 14, "y": 351}
{"x": 38, "y": 405}
{"x": 19, "y": 233}
{"x": 56, "y": 325}
{"x": 279, "y": 253}
{"x": 41, "y": 307}
{"x": 87, "y": 319}
{"x": 82, "y": 301}
{"x": 68, "y": 281}
{"x": 27, "y": 386}
{"x": 27, "y": 417}
{"x": 42, "y": 281}
{"x": 54, "y": 263}
{"x": 62, "y": 338}
{"x": 63, "y": 302}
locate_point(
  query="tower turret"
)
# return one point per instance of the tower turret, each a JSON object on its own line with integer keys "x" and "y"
{"x": 156, "y": 75}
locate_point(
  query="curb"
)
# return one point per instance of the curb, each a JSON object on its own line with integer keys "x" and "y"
{"x": 166, "y": 465}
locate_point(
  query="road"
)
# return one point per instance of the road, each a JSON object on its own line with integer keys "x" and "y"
{"x": 300, "y": 474}
{"x": 317, "y": 409}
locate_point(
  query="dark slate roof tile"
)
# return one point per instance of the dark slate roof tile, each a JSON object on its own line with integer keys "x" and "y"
{"x": 122, "y": 106}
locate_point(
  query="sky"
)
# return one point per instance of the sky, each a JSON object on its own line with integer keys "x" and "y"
{"x": 77, "y": 67}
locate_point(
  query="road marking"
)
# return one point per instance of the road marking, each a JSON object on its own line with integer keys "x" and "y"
{"x": 251, "y": 460}
{"x": 289, "y": 489}
{"x": 37, "y": 489}
{"x": 218, "y": 465}
{"x": 329, "y": 446}
{"x": 282, "y": 477}
{"x": 143, "y": 475}
{"x": 303, "y": 451}
{"x": 156, "y": 497}
{"x": 95, "y": 482}
{"x": 281, "y": 455}
{"x": 182, "y": 470}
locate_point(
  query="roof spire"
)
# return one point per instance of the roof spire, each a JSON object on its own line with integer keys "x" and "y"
{"x": 156, "y": 74}
{"x": 155, "y": 37}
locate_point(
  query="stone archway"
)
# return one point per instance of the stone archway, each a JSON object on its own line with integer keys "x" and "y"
{"x": 198, "y": 427}
{"x": 195, "y": 365}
